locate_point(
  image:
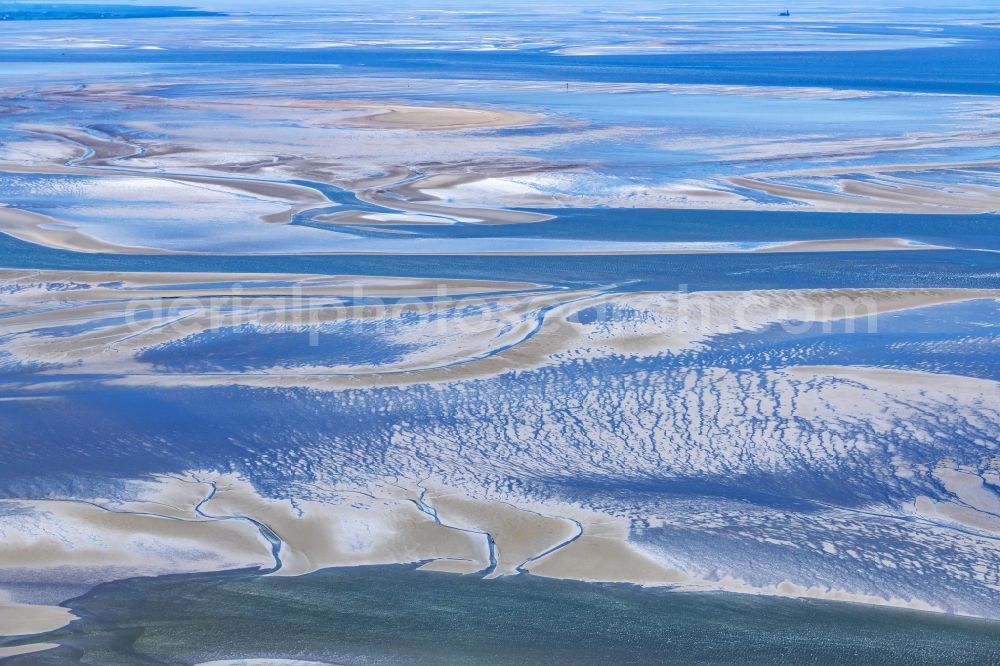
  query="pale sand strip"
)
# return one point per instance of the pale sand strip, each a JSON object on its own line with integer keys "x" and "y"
{"x": 379, "y": 115}
{"x": 913, "y": 194}
{"x": 24, "y": 619}
{"x": 453, "y": 566}
{"x": 820, "y": 199}
{"x": 789, "y": 589}
{"x": 882, "y": 169}
{"x": 825, "y": 245}
{"x": 858, "y": 196}
{"x": 429, "y": 118}
{"x": 850, "y": 245}
{"x": 106, "y": 284}
{"x": 43, "y": 230}
{"x": 367, "y": 114}
{"x": 15, "y": 650}
{"x": 645, "y": 47}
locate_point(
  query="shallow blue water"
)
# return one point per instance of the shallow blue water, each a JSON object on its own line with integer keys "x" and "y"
{"x": 636, "y": 224}
{"x": 967, "y": 69}
{"x": 393, "y": 615}
{"x": 957, "y": 268}
{"x": 17, "y": 11}
{"x": 247, "y": 348}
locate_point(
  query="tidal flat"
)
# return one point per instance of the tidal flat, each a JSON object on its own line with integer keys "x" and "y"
{"x": 506, "y": 333}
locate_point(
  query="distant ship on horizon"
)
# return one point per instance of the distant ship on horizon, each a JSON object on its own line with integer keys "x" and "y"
{"x": 785, "y": 13}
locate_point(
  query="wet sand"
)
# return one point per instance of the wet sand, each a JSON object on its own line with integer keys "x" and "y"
{"x": 251, "y": 284}
{"x": 676, "y": 321}
{"x": 440, "y": 192}
{"x": 795, "y": 591}
{"x": 23, "y": 619}
{"x": 53, "y": 233}
{"x": 414, "y": 196}
{"x": 850, "y": 245}
{"x": 430, "y": 118}
{"x": 387, "y": 524}
{"x": 886, "y": 197}
{"x": 30, "y": 648}
{"x": 381, "y": 525}
{"x": 43, "y": 230}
